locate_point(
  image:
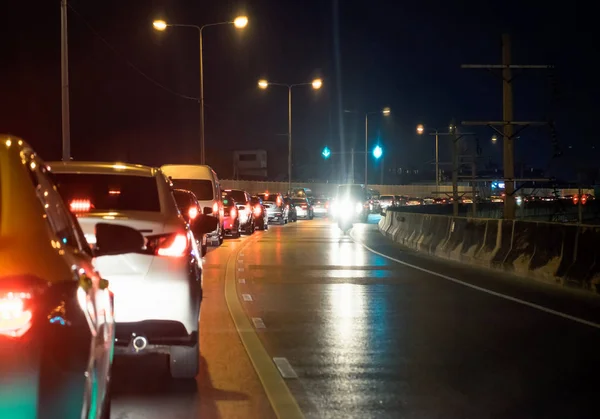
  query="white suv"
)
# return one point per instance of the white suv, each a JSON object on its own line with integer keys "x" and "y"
{"x": 158, "y": 291}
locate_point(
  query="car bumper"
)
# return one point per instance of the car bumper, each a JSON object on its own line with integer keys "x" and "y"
{"x": 275, "y": 218}
{"x": 300, "y": 213}
{"x": 167, "y": 292}
{"x": 320, "y": 211}
{"x": 229, "y": 224}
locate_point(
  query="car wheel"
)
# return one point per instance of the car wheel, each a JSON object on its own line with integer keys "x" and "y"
{"x": 221, "y": 235}
{"x": 235, "y": 234}
{"x": 184, "y": 361}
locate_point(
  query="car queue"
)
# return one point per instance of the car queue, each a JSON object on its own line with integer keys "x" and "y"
{"x": 118, "y": 270}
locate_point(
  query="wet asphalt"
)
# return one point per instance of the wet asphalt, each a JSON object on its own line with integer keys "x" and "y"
{"x": 363, "y": 336}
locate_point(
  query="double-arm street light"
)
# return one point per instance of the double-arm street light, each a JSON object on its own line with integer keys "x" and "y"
{"x": 239, "y": 22}
{"x": 316, "y": 84}
{"x": 384, "y": 112}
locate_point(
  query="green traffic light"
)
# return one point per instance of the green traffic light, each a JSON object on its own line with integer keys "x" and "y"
{"x": 377, "y": 152}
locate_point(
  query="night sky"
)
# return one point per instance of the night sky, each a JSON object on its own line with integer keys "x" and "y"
{"x": 370, "y": 54}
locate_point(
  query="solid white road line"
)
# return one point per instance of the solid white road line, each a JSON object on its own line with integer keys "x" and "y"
{"x": 475, "y": 287}
{"x": 285, "y": 368}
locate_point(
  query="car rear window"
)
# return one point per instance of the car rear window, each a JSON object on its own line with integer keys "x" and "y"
{"x": 238, "y": 196}
{"x": 268, "y": 198}
{"x": 110, "y": 192}
{"x": 299, "y": 201}
{"x": 202, "y": 188}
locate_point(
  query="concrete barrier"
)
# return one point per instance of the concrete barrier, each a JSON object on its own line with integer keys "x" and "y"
{"x": 553, "y": 252}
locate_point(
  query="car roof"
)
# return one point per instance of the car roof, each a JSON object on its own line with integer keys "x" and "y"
{"x": 91, "y": 167}
{"x": 188, "y": 171}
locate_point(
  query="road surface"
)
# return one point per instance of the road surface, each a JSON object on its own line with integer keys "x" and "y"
{"x": 373, "y": 332}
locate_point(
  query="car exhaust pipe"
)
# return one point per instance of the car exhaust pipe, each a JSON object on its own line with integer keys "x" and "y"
{"x": 140, "y": 343}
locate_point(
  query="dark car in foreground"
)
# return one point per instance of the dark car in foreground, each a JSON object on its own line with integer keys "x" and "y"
{"x": 57, "y": 328}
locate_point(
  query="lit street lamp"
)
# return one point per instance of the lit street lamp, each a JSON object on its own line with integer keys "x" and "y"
{"x": 420, "y": 131}
{"x": 161, "y": 25}
{"x": 494, "y": 139}
{"x": 316, "y": 84}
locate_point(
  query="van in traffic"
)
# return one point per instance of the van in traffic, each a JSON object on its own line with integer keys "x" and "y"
{"x": 204, "y": 183}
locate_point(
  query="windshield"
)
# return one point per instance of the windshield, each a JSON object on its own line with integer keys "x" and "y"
{"x": 110, "y": 192}
{"x": 238, "y": 196}
{"x": 203, "y": 189}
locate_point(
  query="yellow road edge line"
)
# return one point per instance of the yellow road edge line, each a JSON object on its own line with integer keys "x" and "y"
{"x": 282, "y": 401}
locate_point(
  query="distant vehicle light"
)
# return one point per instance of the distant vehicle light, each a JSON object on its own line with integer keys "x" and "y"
{"x": 193, "y": 212}
{"x": 80, "y": 205}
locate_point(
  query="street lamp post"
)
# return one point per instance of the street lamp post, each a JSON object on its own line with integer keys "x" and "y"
{"x": 420, "y": 131}
{"x": 316, "y": 84}
{"x": 161, "y": 25}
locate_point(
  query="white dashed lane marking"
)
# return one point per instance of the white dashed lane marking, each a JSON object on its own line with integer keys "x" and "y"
{"x": 258, "y": 323}
{"x": 285, "y": 368}
{"x": 246, "y": 297}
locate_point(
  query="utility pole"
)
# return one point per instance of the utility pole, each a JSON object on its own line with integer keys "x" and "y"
{"x": 507, "y": 120}
{"x": 64, "y": 79}
{"x": 455, "y": 151}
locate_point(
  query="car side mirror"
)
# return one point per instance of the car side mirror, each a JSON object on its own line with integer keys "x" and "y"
{"x": 207, "y": 211}
{"x": 115, "y": 239}
{"x": 204, "y": 224}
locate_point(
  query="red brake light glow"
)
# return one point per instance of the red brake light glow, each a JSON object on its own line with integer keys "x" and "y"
{"x": 15, "y": 316}
{"x": 193, "y": 212}
{"x": 80, "y": 205}
{"x": 257, "y": 210}
{"x": 233, "y": 213}
{"x": 215, "y": 207}
{"x": 278, "y": 201}
{"x": 175, "y": 247}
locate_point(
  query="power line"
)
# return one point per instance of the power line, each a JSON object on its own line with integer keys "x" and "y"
{"x": 129, "y": 63}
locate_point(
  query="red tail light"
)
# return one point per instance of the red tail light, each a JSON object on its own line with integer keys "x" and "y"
{"x": 215, "y": 208}
{"x": 15, "y": 314}
{"x": 233, "y": 213}
{"x": 257, "y": 210}
{"x": 173, "y": 246}
{"x": 583, "y": 199}
{"x": 193, "y": 212}
{"x": 326, "y": 205}
{"x": 80, "y": 205}
{"x": 278, "y": 201}
{"x": 575, "y": 199}
{"x": 304, "y": 206}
